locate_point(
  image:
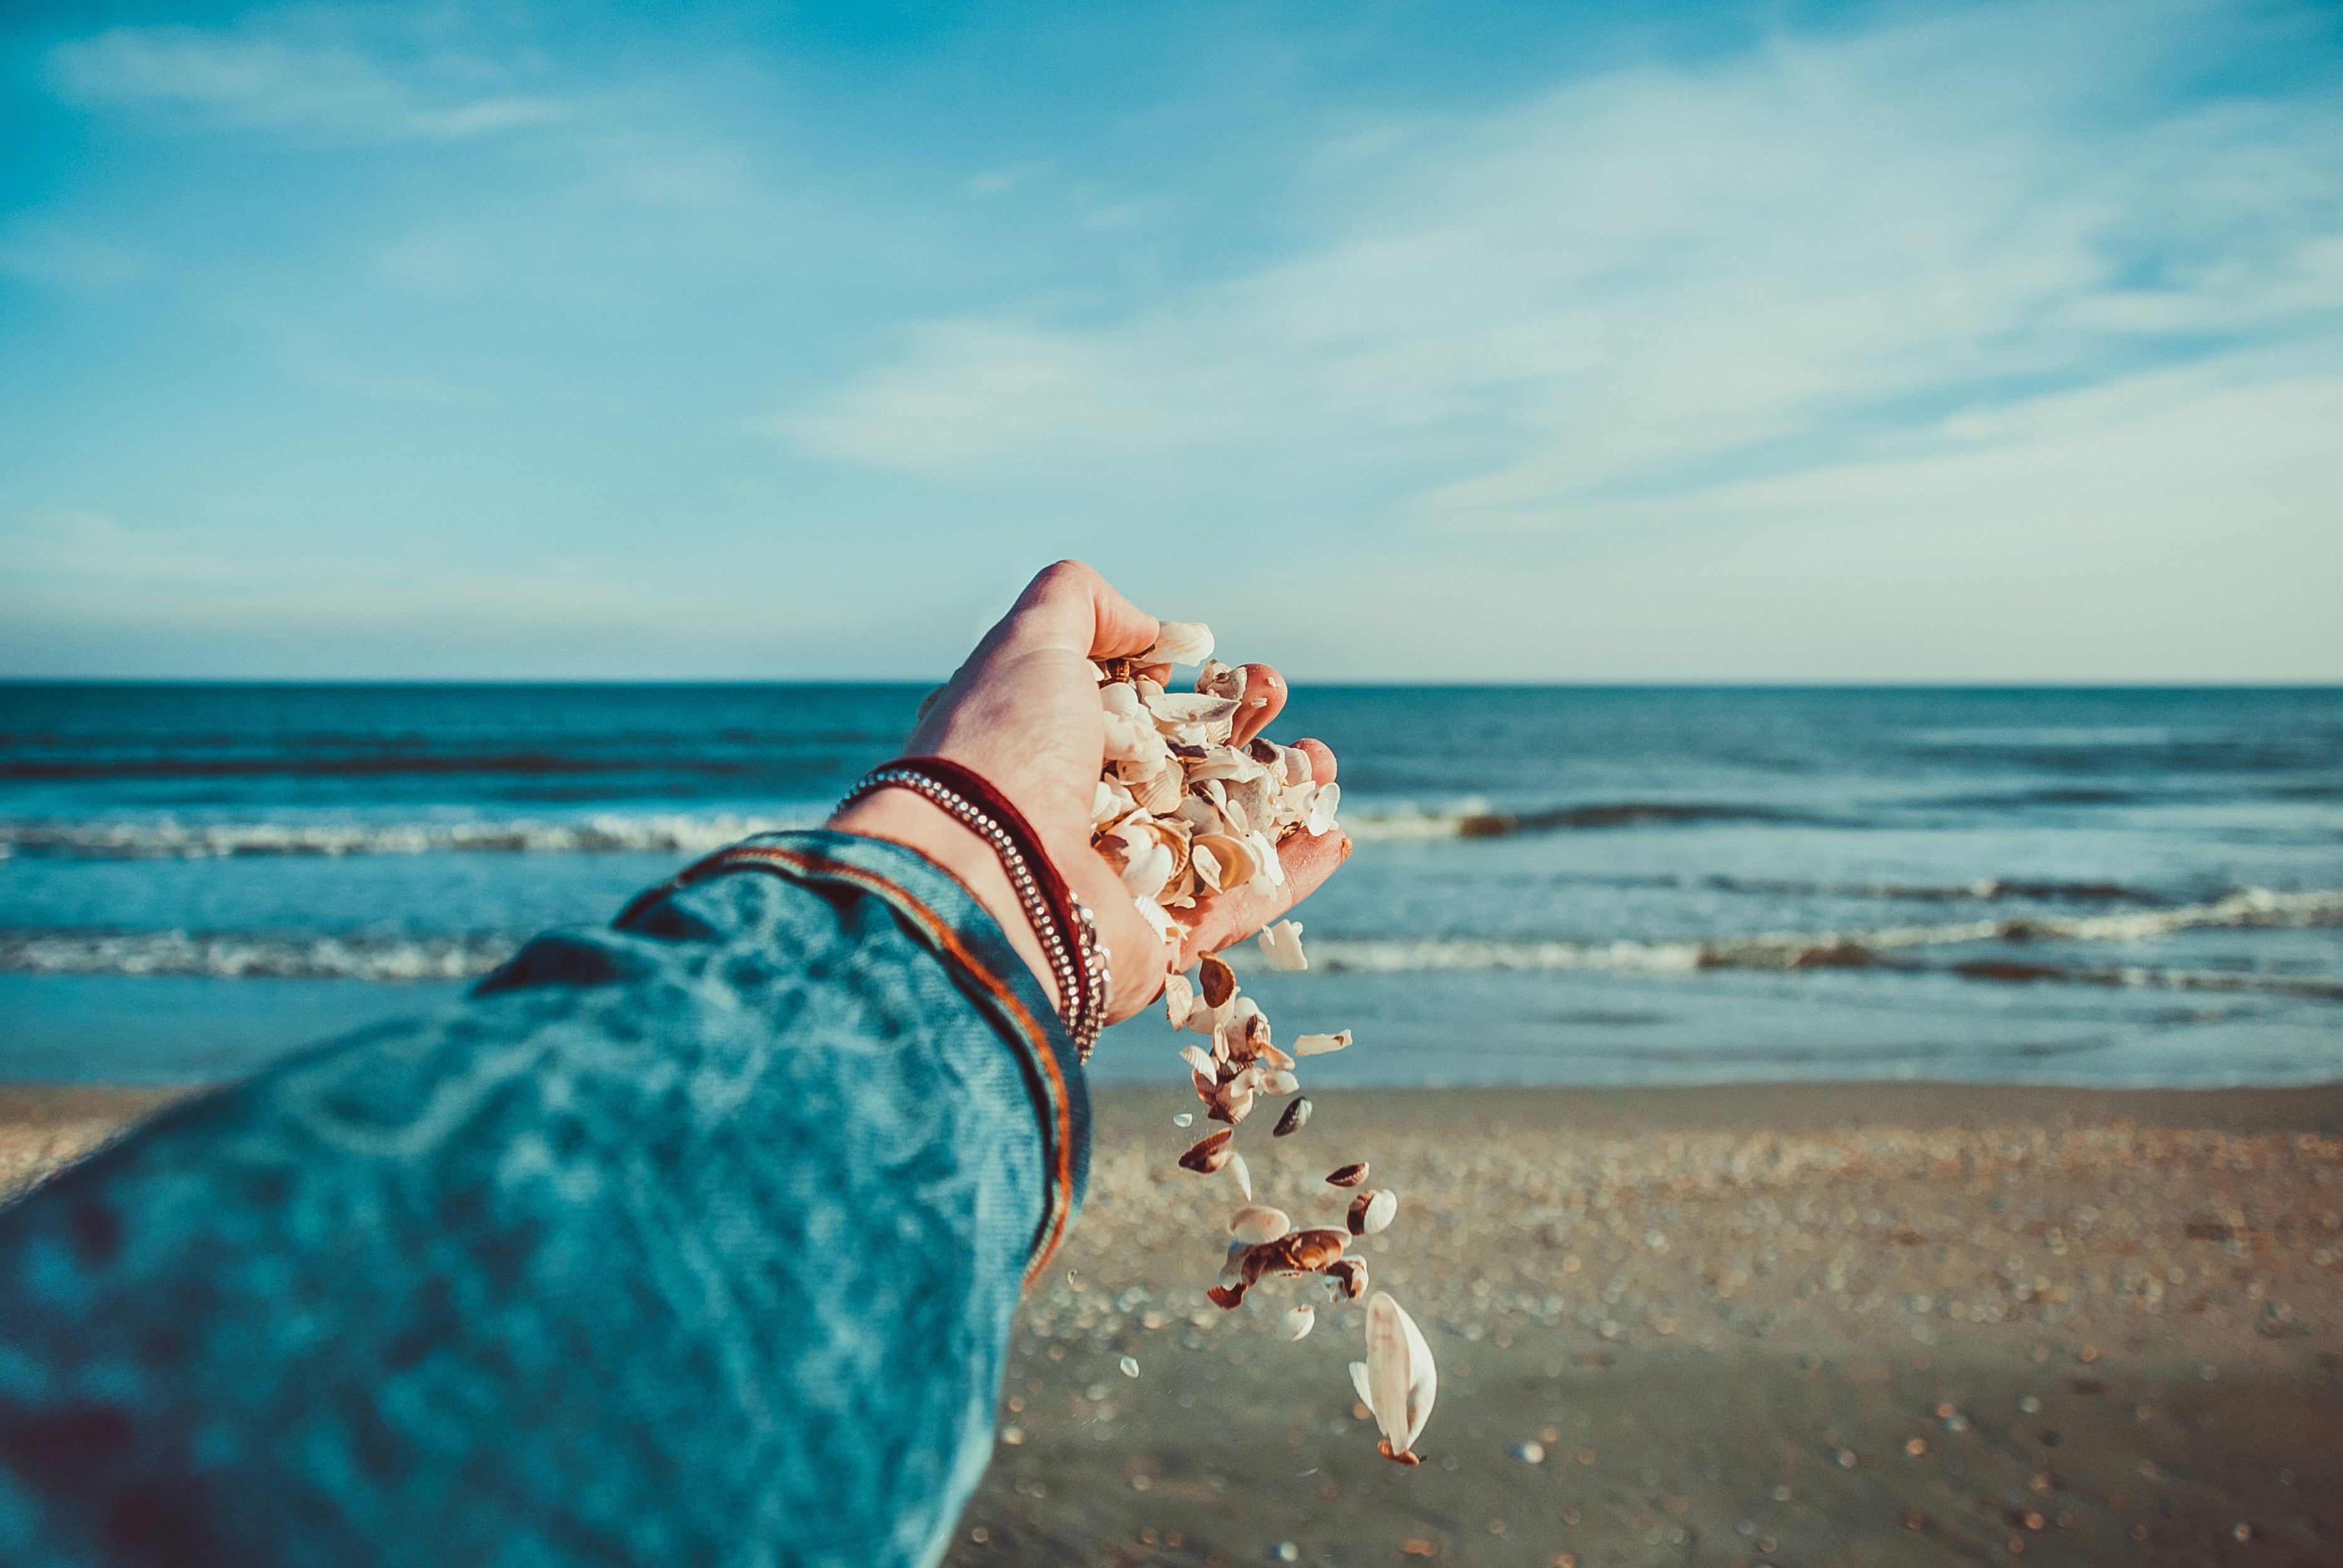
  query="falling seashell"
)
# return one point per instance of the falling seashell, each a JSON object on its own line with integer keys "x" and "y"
{"x": 1198, "y": 1058}
{"x": 1232, "y": 1104}
{"x": 1319, "y": 1044}
{"x": 1179, "y": 1001}
{"x": 1226, "y": 1296}
{"x": 1297, "y": 1323}
{"x": 1178, "y": 642}
{"x": 1295, "y": 1117}
{"x": 1185, "y": 1119}
{"x": 1348, "y": 1276}
{"x": 1232, "y": 1266}
{"x": 1402, "y": 1381}
{"x": 1130, "y": 1365}
{"x": 1280, "y": 944}
{"x": 1371, "y": 1212}
{"x": 1269, "y": 1056}
{"x": 1347, "y": 1175}
{"x": 1359, "y": 1381}
{"x": 1235, "y": 862}
{"x": 1241, "y": 1174}
{"x": 1218, "y": 980}
{"x": 1295, "y": 1252}
{"x": 1258, "y": 1222}
{"x": 1270, "y": 1081}
{"x": 1210, "y": 1155}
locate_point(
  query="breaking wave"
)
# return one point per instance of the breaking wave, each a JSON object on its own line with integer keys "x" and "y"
{"x": 239, "y": 955}
{"x": 1473, "y": 819}
{"x": 167, "y": 838}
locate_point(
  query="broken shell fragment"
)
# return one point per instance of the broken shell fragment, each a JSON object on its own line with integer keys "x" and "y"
{"x": 1347, "y": 1175}
{"x": 1371, "y": 1212}
{"x": 1295, "y": 1117}
{"x": 1350, "y": 1277}
{"x": 1295, "y": 1252}
{"x": 1257, "y": 1223}
{"x": 1319, "y": 1044}
{"x": 1218, "y": 981}
{"x": 1210, "y": 1153}
{"x": 1226, "y": 1296}
{"x": 1400, "y": 1379}
{"x": 1241, "y": 1174}
{"x": 1280, "y": 944}
{"x": 1297, "y": 1323}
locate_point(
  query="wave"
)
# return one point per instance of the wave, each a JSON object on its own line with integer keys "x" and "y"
{"x": 2254, "y": 908}
{"x": 167, "y": 838}
{"x": 1474, "y": 820}
{"x": 239, "y": 955}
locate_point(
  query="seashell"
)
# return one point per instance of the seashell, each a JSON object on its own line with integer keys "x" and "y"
{"x": 1208, "y": 1086}
{"x": 1297, "y": 1323}
{"x": 1178, "y": 642}
{"x": 1221, "y": 762}
{"x": 1295, "y": 1118}
{"x": 1218, "y": 980}
{"x": 1184, "y": 1118}
{"x": 1319, "y": 1044}
{"x": 1209, "y": 1154}
{"x": 1372, "y": 1212}
{"x": 1179, "y": 1002}
{"x": 1148, "y": 865}
{"x": 1347, "y": 1175}
{"x": 1206, "y": 864}
{"x": 1322, "y": 810}
{"x": 1232, "y": 1266}
{"x": 1219, "y": 679}
{"x": 1120, "y": 698}
{"x": 1280, "y": 944}
{"x": 1259, "y": 1222}
{"x": 1185, "y": 707}
{"x": 1274, "y": 1080}
{"x": 1233, "y": 861}
{"x": 1130, "y": 740}
{"x": 1242, "y": 1175}
{"x": 1152, "y": 913}
{"x": 1269, "y": 871}
{"x": 1198, "y": 1058}
{"x": 1269, "y": 1055}
{"x": 1295, "y": 1252}
{"x": 1161, "y": 795}
{"x": 1226, "y": 1296}
{"x": 1294, "y": 764}
{"x": 1349, "y": 1277}
{"x": 1234, "y": 1104}
{"x": 1110, "y": 803}
{"x": 1401, "y": 1380}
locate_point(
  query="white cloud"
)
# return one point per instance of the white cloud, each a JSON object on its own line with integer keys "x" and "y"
{"x": 1660, "y": 281}
{"x": 255, "y": 78}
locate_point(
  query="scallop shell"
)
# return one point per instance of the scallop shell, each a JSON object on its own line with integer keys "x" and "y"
{"x": 1198, "y": 1058}
{"x": 1257, "y": 1223}
{"x": 1179, "y": 1002}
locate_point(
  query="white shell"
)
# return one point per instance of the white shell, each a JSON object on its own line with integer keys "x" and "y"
{"x": 1259, "y": 1222}
{"x": 1276, "y": 1081}
{"x": 1188, "y": 707}
{"x": 1400, "y": 1379}
{"x": 1198, "y": 1058}
{"x": 1280, "y": 944}
{"x": 1380, "y": 1208}
{"x": 1179, "y": 1001}
{"x": 1319, "y": 1044}
{"x": 1322, "y": 809}
{"x": 1297, "y": 1323}
{"x": 1180, "y": 642}
{"x": 1359, "y": 1381}
{"x": 1241, "y": 1175}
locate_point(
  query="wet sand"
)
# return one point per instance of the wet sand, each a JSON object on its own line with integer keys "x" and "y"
{"x": 1871, "y": 1324}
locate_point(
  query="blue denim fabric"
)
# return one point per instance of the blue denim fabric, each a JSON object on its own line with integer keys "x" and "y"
{"x": 694, "y": 1241}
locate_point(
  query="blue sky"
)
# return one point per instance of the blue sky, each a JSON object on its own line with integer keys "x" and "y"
{"x": 1401, "y": 341}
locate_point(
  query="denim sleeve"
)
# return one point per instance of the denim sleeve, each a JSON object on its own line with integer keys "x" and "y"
{"x": 693, "y": 1240}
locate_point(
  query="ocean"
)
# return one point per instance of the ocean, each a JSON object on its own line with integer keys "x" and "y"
{"x": 1552, "y": 886}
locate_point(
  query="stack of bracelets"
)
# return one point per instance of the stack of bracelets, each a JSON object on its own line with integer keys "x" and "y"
{"x": 1068, "y": 933}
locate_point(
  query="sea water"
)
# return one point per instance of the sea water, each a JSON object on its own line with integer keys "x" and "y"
{"x": 1551, "y": 885}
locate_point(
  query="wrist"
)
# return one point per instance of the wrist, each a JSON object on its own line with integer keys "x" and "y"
{"x": 902, "y": 817}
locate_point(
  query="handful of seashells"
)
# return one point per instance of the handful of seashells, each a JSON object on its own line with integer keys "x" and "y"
{"x": 1183, "y": 815}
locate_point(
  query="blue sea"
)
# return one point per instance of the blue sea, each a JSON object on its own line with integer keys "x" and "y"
{"x": 1552, "y": 886}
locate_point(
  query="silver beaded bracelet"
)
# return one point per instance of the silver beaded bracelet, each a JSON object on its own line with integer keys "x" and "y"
{"x": 1079, "y": 960}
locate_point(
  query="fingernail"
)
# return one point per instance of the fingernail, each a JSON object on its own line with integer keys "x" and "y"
{"x": 1346, "y": 849}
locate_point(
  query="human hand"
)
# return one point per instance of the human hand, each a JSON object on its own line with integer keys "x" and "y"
{"x": 1023, "y": 712}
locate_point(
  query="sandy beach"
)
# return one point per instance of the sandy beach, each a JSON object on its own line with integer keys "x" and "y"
{"x": 1785, "y": 1324}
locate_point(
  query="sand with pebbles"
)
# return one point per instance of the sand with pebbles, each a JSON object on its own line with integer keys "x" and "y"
{"x": 1810, "y": 1325}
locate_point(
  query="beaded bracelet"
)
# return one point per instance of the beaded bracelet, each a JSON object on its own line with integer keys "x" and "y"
{"x": 1067, "y": 930}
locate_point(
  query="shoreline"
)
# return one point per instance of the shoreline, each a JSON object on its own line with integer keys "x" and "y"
{"x": 1849, "y": 1323}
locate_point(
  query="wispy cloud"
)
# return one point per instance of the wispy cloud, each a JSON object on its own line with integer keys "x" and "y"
{"x": 280, "y": 79}
{"x": 1662, "y": 281}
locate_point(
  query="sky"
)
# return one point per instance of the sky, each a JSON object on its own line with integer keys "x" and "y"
{"x": 1700, "y": 341}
